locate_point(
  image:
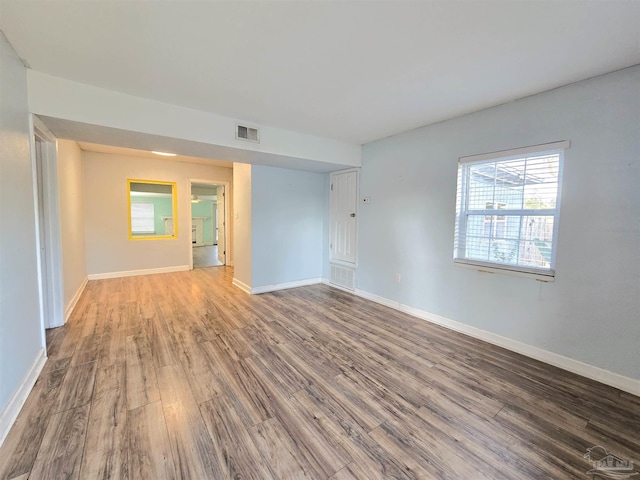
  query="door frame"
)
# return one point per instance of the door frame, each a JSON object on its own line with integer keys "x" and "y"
{"x": 227, "y": 244}
{"x": 50, "y": 288}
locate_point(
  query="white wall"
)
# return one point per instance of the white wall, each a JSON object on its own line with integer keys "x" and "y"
{"x": 242, "y": 224}
{"x": 70, "y": 202}
{"x": 64, "y": 99}
{"x": 108, "y": 246}
{"x": 20, "y": 326}
{"x": 287, "y": 211}
{"x": 591, "y": 313}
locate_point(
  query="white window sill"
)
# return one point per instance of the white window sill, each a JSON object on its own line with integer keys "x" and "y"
{"x": 491, "y": 269}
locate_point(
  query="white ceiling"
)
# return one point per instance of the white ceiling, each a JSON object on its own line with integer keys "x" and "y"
{"x": 356, "y": 71}
{"x": 131, "y": 152}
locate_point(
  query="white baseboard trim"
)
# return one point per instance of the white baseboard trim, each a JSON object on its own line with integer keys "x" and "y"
{"x": 242, "y": 286}
{"x": 378, "y": 299}
{"x": 598, "y": 374}
{"x": 74, "y": 301}
{"x": 16, "y": 402}
{"x": 135, "y": 273}
{"x": 284, "y": 286}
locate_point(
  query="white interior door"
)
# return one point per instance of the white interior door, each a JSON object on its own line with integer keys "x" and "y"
{"x": 221, "y": 224}
{"x": 214, "y": 223}
{"x": 343, "y": 211}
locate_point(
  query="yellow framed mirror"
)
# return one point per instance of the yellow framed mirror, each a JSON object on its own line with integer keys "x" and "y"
{"x": 153, "y": 209}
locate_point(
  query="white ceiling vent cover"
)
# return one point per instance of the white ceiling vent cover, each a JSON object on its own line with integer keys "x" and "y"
{"x": 249, "y": 134}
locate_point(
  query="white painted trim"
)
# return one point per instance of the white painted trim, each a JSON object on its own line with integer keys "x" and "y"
{"x": 135, "y": 273}
{"x": 44, "y": 323}
{"x": 241, "y": 285}
{"x": 284, "y": 286}
{"x": 376, "y": 298}
{"x": 49, "y": 271}
{"x": 16, "y": 402}
{"x": 487, "y": 268}
{"x": 575, "y": 366}
{"x": 347, "y": 170}
{"x": 74, "y": 301}
{"x": 53, "y": 239}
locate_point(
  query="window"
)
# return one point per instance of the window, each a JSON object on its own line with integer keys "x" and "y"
{"x": 153, "y": 206}
{"x": 524, "y": 186}
{"x": 495, "y": 225}
{"x": 142, "y": 218}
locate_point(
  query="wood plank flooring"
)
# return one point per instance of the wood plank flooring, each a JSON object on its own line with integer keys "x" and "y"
{"x": 183, "y": 376}
{"x": 206, "y": 256}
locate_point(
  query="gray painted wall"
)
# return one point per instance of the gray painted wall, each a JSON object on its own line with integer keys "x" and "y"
{"x": 288, "y": 215}
{"x": 591, "y": 313}
{"x": 20, "y": 328}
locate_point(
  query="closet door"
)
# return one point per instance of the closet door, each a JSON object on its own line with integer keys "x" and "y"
{"x": 343, "y": 216}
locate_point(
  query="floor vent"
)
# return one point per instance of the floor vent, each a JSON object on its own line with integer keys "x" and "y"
{"x": 343, "y": 277}
{"x": 247, "y": 133}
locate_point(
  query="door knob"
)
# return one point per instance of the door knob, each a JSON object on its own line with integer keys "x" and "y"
{"x": 352, "y": 215}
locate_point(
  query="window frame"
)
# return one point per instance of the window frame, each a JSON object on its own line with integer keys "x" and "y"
{"x": 463, "y": 212}
{"x": 174, "y": 210}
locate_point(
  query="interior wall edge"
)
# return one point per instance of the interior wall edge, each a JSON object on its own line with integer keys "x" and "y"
{"x": 241, "y": 285}
{"x": 74, "y": 301}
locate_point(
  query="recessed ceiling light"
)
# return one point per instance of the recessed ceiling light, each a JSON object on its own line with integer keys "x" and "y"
{"x": 164, "y": 154}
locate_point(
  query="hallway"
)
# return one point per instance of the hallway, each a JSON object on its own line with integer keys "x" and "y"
{"x": 206, "y": 256}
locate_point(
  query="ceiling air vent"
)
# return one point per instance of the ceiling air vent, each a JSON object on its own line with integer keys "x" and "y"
{"x": 247, "y": 133}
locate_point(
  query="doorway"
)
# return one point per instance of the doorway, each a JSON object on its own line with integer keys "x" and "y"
{"x": 208, "y": 224}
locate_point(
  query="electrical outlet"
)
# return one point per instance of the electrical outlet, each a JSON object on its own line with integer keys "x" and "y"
{"x": 397, "y": 278}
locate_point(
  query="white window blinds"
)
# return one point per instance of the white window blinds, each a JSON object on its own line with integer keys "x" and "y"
{"x": 507, "y": 209}
{"x": 142, "y": 218}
